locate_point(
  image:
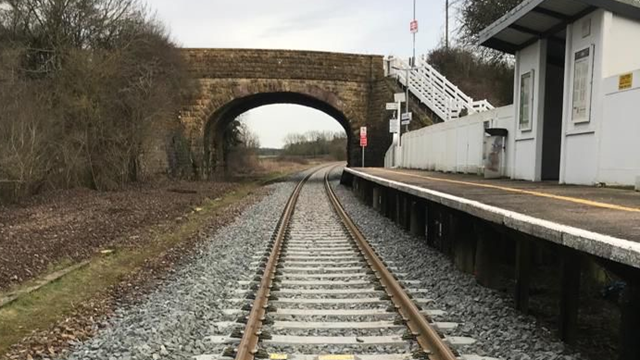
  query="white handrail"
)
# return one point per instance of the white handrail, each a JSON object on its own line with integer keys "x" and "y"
{"x": 433, "y": 89}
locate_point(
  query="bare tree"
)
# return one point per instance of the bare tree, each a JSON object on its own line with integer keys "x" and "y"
{"x": 94, "y": 76}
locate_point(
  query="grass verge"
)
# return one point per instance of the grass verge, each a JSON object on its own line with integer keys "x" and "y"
{"x": 52, "y": 303}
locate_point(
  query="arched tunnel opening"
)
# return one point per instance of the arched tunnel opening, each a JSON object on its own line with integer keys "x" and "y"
{"x": 216, "y": 161}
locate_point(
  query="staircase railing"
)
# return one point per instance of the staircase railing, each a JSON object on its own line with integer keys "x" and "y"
{"x": 433, "y": 89}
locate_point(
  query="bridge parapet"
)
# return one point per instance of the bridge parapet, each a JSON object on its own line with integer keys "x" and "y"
{"x": 283, "y": 64}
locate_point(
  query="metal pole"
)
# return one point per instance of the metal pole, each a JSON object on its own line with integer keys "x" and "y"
{"x": 414, "y": 35}
{"x": 411, "y": 65}
{"x": 446, "y": 25}
{"x": 363, "y": 156}
{"x": 400, "y": 123}
{"x": 406, "y": 109}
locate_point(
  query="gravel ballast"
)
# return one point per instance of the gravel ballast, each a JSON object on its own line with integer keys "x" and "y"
{"x": 314, "y": 218}
{"x": 177, "y": 319}
{"x": 483, "y": 314}
{"x": 174, "y": 321}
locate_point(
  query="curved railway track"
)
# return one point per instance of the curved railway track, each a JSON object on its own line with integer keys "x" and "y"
{"x": 322, "y": 292}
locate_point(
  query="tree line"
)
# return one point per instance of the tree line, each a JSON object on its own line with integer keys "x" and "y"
{"x": 85, "y": 83}
{"x": 82, "y": 83}
{"x": 479, "y": 72}
{"x": 316, "y": 144}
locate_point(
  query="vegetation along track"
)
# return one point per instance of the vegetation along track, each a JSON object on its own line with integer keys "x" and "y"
{"x": 324, "y": 293}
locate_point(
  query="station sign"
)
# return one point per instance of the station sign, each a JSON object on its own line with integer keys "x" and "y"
{"x": 392, "y": 106}
{"x": 400, "y": 97}
{"x": 406, "y": 118}
{"x": 394, "y": 126}
{"x": 625, "y": 81}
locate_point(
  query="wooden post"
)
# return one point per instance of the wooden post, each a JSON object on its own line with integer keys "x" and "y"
{"x": 406, "y": 212}
{"x": 376, "y": 198}
{"x": 450, "y": 232}
{"x": 486, "y": 256}
{"x": 398, "y": 208}
{"x": 383, "y": 201}
{"x": 463, "y": 243}
{"x": 362, "y": 189}
{"x": 391, "y": 204}
{"x": 438, "y": 227}
{"x": 367, "y": 192}
{"x": 523, "y": 272}
{"x": 430, "y": 223}
{"x": 388, "y": 203}
{"x": 417, "y": 225}
{"x": 570, "y": 298}
{"x": 630, "y": 318}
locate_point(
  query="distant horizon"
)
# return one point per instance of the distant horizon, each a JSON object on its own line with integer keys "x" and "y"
{"x": 271, "y": 127}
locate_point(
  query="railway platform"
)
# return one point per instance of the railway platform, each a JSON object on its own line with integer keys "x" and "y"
{"x": 483, "y": 223}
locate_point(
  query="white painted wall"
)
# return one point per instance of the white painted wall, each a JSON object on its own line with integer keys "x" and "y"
{"x": 623, "y": 52}
{"x": 596, "y": 151}
{"x": 454, "y": 146}
{"x": 619, "y": 155}
{"x": 578, "y": 162}
{"x": 527, "y": 143}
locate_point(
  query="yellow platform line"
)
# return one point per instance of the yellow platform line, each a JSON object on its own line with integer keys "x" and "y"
{"x": 520, "y": 191}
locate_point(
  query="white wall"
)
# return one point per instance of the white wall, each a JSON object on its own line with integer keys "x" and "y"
{"x": 579, "y": 140}
{"x": 454, "y": 146}
{"x": 597, "y": 151}
{"x": 622, "y": 52}
{"x": 527, "y": 143}
{"x": 619, "y": 155}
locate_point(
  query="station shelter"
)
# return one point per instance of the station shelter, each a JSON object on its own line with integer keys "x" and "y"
{"x": 576, "y": 90}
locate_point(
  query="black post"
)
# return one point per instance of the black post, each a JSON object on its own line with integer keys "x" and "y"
{"x": 570, "y": 298}
{"x": 523, "y": 272}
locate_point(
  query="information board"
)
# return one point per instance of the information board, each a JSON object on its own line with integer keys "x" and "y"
{"x": 582, "y": 77}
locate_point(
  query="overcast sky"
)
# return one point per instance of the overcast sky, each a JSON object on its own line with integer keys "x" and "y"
{"x": 355, "y": 26}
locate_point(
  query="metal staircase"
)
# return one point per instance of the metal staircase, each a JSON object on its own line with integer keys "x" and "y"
{"x": 433, "y": 89}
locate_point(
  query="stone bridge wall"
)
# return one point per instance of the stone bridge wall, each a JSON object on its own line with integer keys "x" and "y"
{"x": 349, "y": 87}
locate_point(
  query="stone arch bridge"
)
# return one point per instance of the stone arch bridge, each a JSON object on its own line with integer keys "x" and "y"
{"x": 350, "y": 88}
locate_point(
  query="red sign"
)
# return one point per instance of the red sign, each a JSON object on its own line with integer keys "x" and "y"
{"x": 363, "y": 136}
{"x": 413, "y": 26}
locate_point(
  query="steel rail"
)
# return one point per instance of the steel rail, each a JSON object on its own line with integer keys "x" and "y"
{"x": 249, "y": 343}
{"x": 428, "y": 339}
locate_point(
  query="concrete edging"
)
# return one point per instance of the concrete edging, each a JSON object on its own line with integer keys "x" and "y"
{"x": 619, "y": 250}
{"x": 39, "y": 283}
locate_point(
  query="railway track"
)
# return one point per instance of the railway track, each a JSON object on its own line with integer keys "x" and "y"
{"x": 322, "y": 293}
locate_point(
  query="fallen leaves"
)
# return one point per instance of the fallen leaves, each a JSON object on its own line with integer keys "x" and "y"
{"x": 75, "y": 224}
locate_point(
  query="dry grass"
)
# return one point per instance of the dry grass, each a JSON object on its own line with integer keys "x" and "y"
{"x": 52, "y": 303}
{"x": 275, "y": 165}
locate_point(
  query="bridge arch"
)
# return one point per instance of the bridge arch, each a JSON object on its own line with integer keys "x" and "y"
{"x": 224, "y": 115}
{"x": 348, "y": 87}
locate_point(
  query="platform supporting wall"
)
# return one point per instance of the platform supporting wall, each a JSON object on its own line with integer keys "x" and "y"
{"x": 509, "y": 260}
